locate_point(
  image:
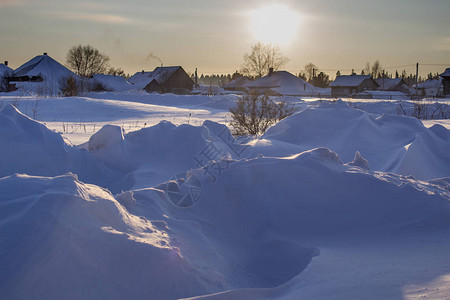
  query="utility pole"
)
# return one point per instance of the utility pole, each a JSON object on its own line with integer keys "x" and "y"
{"x": 196, "y": 77}
{"x": 417, "y": 78}
{"x": 314, "y": 76}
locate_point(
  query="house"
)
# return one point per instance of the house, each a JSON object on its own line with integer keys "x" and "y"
{"x": 430, "y": 88}
{"x": 41, "y": 73}
{"x": 283, "y": 83}
{"x": 237, "y": 84}
{"x": 446, "y": 82}
{"x": 347, "y": 85}
{"x": 163, "y": 80}
{"x": 5, "y": 72}
{"x": 103, "y": 82}
{"x": 40, "y": 68}
{"x": 394, "y": 84}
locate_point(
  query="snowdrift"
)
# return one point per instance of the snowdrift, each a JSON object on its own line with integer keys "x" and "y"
{"x": 29, "y": 147}
{"x": 383, "y": 141}
{"x": 261, "y": 224}
{"x": 63, "y": 239}
{"x": 201, "y": 214}
{"x": 152, "y": 155}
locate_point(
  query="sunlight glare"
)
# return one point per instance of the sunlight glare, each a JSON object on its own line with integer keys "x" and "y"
{"x": 275, "y": 24}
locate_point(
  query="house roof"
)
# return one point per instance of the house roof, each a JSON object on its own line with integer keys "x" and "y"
{"x": 446, "y": 73}
{"x": 388, "y": 83}
{"x": 112, "y": 83}
{"x": 43, "y": 66}
{"x": 349, "y": 80}
{"x": 5, "y": 70}
{"x": 238, "y": 82}
{"x": 430, "y": 84}
{"x": 160, "y": 74}
{"x": 284, "y": 83}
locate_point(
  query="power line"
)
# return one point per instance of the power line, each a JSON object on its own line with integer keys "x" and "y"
{"x": 340, "y": 70}
{"x": 395, "y": 67}
{"x": 440, "y": 65}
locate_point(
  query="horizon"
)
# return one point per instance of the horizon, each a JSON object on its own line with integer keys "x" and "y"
{"x": 213, "y": 36}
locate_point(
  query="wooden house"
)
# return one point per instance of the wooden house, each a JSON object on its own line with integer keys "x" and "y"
{"x": 282, "y": 83}
{"x": 163, "y": 80}
{"x": 394, "y": 84}
{"x": 347, "y": 85}
{"x": 446, "y": 82}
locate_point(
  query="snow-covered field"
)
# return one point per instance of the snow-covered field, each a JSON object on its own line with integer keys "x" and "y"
{"x": 128, "y": 195}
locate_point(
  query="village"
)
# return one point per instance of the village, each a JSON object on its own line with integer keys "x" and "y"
{"x": 256, "y": 150}
{"x": 44, "y": 75}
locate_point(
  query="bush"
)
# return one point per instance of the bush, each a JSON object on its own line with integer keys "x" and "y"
{"x": 254, "y": 113}
{"x": 69, "y": 87}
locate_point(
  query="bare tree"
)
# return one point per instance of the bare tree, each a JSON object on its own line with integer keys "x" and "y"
{"x": 255, "y": 112}
{"x": 261, "y": 59}
{"x": 366, "y": 69}
{"x": 375, "y": 70}
{"x": 116, "y": 72}
{"x": 87, "y": 61}
{"x": 309, "y": 71}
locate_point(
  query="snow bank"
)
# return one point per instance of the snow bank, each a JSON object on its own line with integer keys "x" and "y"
{"x": 27, "y": 146}
{"x": 263, "y": 219}
{"x": 63, "y": 239}
{"x": 264, "y": 222}
{"x": 154, "y": 154}
{"x": 382, "y": 141}
{"x": 428, "y": 156}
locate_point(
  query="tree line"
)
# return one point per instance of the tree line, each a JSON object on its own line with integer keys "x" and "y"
{"x": 86, "y": 61}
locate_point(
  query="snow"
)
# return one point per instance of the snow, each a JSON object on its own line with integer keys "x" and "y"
{"x": 387, "y": 142}
{"x": 51, "y": 71}
{"x": 430, "y": 84}
{"x": 44, "y": 66}
{"x": 388, "y": 83}
{"x": 237, "y": 83}
{"x": 160, "y": 74}
{"x": 285, "y": 83}
{"x": 112, "y": 83}
{"x": 446, "y": 73}
{"x": 349, "y": 80}
{"x": 159, "y": 200}
{"x": 391, "y": 95}
{"x": 5, "y": 70}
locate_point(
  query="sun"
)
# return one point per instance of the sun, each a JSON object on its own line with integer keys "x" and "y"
{"x": 275, "y": 24}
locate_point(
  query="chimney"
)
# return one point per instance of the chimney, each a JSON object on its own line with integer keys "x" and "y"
{"x": 270, "y": 71}
{"x": 45, "y": 53}
{"x": 6, "y": 62}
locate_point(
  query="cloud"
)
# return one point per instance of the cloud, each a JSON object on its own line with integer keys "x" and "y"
{"x": 4, "y": 3}
{"x": 95, "y": 18}
{"x": 86, "y": 5}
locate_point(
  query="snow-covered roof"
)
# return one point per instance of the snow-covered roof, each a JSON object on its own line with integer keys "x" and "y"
{"x": 160, "y": 74}
{"x": 446, "y": 73}
{"x": 388, "y": 83}
{"x": 45, "y": 67}
{"x": 349, "y": 80}
{"x": 430, "y": 84}
{"x": 5, "y": 70}
{"x": 238, "y": 82}
{"x": 283, "y": 83}
{"x": 112, "y": 83}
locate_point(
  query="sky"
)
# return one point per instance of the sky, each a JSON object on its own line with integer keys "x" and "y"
{"x": 213, "y": 36}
